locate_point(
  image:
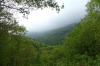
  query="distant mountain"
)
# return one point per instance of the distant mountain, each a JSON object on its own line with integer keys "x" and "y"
{"x": 53, "y": 37}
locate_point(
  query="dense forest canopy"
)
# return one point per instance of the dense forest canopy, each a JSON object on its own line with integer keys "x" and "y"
{"x": 80, "y": 46}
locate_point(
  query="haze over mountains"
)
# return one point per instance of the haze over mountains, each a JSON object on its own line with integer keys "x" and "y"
{"x": 51, "y": 37}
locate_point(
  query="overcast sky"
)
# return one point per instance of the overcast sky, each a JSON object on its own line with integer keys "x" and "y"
{"x": 47, "y": 19}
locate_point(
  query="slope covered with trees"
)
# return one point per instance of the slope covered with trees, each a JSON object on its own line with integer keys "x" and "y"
{"x": 56, "y": 36}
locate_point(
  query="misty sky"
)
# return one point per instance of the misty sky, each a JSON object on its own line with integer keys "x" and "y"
{"x": 47, "y": 19}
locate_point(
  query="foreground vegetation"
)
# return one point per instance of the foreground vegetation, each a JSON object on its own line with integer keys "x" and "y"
{"x": 81, "y": 46}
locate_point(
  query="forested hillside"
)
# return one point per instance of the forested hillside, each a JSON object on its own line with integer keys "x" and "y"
{"x": 80, "y": 47}
{"x": 56, "y": 36}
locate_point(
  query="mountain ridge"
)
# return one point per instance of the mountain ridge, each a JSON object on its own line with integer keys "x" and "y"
{"x": 53, "y": 37}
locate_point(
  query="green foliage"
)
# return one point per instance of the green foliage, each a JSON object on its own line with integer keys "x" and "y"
{"x": 93, "y": 5}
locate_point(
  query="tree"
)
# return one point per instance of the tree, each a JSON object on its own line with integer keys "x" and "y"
{"x": 14, "y": 50}
{"x": 7, "y": 24}
{"x": 93, "y": 5}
